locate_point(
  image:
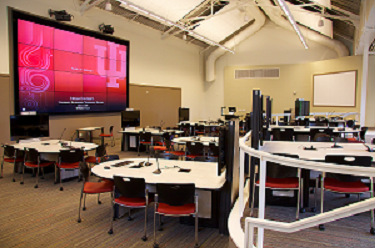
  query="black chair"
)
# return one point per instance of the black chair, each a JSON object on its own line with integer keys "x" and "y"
{"x": 346, "y": 184}
{"x": 32, "y": 160}
{"x": 11, "y": 155}
{"x": 213, "y": 150}
{"x": 175, "y": 200}
{"x": 69, "y": 159}
{"x": 105, "y": 186}
{"x": 206, "y": 159}
{"x": 194, "y": 149}
{"x": 362, "y": 133}
{"x": 100, "y": 153}
{"x": 108, "y": 135}
{"x": 199, "y": 129}
{"x": 350, "y": 123}
{"x": 281, "y": 177}
{"x": 133, "y": 195}
{"x": 282, "y": 134}
{"x": 145, "y": 138}
{"x": 186, "y": 129}
{"x": 315, "y": 131}
{"x": 322, "y": 138}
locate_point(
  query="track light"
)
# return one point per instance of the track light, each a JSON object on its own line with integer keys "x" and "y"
{"x": 60, "y": 15}
{"x": 321, "y": 23}
{"x": 108, "y": 6}
{"x": 106, "y": 29}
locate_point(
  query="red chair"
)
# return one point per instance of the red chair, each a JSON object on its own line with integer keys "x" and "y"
{"x": 105, "y": 186}
{"x": 99, "y": 157}
{"x": 69, "y": 159}
{"x": 175, "y": 200}
{"x": 145, "y": 138}
{"x": 282, "y": 178}
{"x": 199, "y": 129}
{"x": 110, "y": 135}
{"x": 346, "y": 184}
{"x": 133, "y": 195}
{"x": 32, "y": 160}
{"x": 11, "y": 155}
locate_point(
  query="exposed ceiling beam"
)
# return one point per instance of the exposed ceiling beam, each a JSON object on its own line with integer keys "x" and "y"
{"x": 86, "y": 6}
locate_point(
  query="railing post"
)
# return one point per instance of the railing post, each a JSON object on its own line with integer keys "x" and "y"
{"x": 262, "y": 199}
{"x": 242, "y": 181}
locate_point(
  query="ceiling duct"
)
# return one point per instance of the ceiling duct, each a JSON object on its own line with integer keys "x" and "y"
{"x": 260, "y": 19}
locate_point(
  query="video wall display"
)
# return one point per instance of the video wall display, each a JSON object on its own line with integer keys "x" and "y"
{"x": 62, "y": 71}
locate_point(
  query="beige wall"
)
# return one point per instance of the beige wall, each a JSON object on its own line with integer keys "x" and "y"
{"x": 297, "y": 77}
{"x": 370, "y": 103}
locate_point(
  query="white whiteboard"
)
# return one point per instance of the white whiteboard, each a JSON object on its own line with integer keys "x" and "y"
{"x": 337, "y": 89}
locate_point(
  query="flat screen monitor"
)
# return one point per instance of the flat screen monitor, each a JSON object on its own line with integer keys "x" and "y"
{"x": 29, "y": 126}
{"x": 63, "y": 69}
{"x": 232, "y": 110}
{"x": 183, "y": 114}
{"x": 130, "y": 119}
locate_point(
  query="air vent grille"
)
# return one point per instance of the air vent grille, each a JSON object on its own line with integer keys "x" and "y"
{"x": 257, "y": 73}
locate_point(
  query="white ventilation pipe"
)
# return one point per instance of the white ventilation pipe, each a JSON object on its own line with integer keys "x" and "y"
{"x": 275, "y": 14}
{"x": 260, "y": 19}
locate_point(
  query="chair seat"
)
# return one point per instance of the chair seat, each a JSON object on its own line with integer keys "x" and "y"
{"x": 160, "y": 143}
{"x": 160, "y": 148}
{"x": 11, "y": 160}
{"x": 184, "y": 209}
{"x": 145, "y": 143}
{"x": 68, "y": 165}
{"x": 96, "y": 188}
{"x": 200, "y": 132}
{"x": 194, "y": 155}
{"x": 281, "y": 183}
{"x": 133, "y": 202}
{"x": 92, "y": 159}
{"x": 105, "y": 135}
{"x": 177, "y": 153}
{"x": 35, "y": 164}
{"x": 345, "y": 187}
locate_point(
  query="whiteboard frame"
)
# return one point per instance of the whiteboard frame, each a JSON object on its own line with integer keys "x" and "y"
{"x": 330, "y": 73}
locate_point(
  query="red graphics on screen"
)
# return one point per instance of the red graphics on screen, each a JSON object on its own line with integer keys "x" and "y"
{"x": 63, "y": 71}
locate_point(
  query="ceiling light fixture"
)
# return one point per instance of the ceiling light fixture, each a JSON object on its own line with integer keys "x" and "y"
{"x": 141, "y": 11}
{"x": 287, "y": 12}
{"x": 108, "y": 6}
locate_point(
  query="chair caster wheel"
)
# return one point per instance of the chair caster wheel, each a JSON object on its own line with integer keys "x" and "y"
{"x": 36, "y": 186}
{"x": 42, "y": 178}
{"x": 313, "y": 209}
{"x": 160, "y": 229}
{"x": 84, "y": 209}
{"x": 110, "y": 231}
{"x": 372, "y": 231}
{"x": 14, "y": 180}
{"x": 139, "y": 155}
{"x": 347, "y": 195}
{"x": 312, "y": 191}
{"x": 21, "y": 183}
{"x": 196, "y": 246}
{"x": 114, "y": 218}
{"x": 99, "y": 202}
{"x": 302, "y": 210}
{"x": 321, "y": 227}
{"x": 130, "y": 219}
{"x": 55, "y": 182}
{"x": 144, "y": 238}
{"x": 61, "y": 189}
{"x": 79, "y": 220}
{"x": 156, "y": 245}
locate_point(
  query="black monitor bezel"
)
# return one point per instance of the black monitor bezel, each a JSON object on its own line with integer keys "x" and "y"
{"x": 15, "y": 15}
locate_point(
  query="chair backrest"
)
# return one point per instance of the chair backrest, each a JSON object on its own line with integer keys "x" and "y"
{"x": 364, "y": 161}
{"x": 213, "y": 149}
{"x": 130, "y": 187}
{"x": 315, "y": 131}
{"x": 275, "y": 170}
{"x": 167, "y": 138}
{"x": 350, "y": 123}
{"x": 31, "y": 155}
{"x": 101, "y": 151}
{"x": 9, "y": 151}
{"x": 362, "y": 133}
{"x": 168, "y": 156}
{"x": 320, "y": 137}
{"x": 111, "y": 129}
{"x": 145, "y": 136}
{"x": 201, "y": 127}
{"x": 85, "y": 171}
{"x": 71, "y": 156}
{"x": 175, "y": 194}
{"x": 283, "y": 134}
{"x": 194, "y": 147}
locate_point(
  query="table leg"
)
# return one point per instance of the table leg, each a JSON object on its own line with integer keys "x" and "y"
{"x": 90, "y": 136}
{"x": 262, "y": 200}
{"x": 102, "y": 138}
{"x": 77, "y": 133}
{"x": 306, "y": 187}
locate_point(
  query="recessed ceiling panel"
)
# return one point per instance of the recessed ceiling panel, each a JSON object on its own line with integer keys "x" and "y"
{"x": 223, "y": 23}
{"x": 171, "y": 10}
